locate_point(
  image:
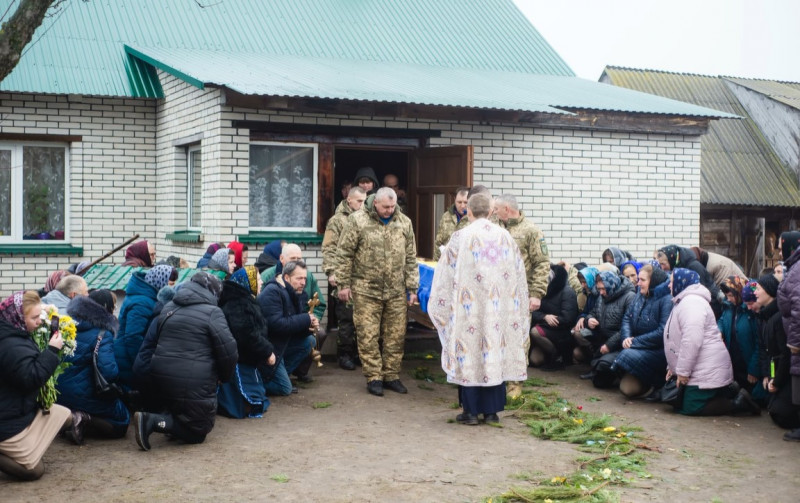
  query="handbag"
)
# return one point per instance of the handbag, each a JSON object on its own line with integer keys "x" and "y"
{"x": 102, "y": 388}
{"x": 672, "y": 394}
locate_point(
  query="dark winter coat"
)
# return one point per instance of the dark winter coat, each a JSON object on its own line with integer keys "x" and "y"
{"x": 76, "y": 385}
{"x": 773, "y": 350}
{"x": 789, "y": 304}
{"x": 610, "y": 310}
{"x": 286, "y": 313}
{"x": 141, "y": 366}
{"x": 561, "y": 301}
{"x": 644, "y": 321}
{"x": 688, "y": 260}
{"x": 23, "y": 370}
{"x": 246, "y": 323}
{"x": 741, "y": 324}
{"x": 194, "y": 350}
{"x": 134, "y": 319}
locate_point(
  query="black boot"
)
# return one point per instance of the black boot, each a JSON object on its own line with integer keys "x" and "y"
{"x": 346, "y": 362}
{"x": 146, "y": 423}
{"x": 745, "y": 403}
{"x": 79, "y": 421}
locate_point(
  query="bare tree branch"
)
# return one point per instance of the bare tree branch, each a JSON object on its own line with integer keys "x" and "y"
{"x": 17, "y": 32}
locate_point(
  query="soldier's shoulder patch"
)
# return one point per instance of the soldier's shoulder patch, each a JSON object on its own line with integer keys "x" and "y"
{"x": 543, "y": 246}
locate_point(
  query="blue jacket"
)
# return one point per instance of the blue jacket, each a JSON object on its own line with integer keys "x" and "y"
{"x": 76, "y": 385}
{"x": 646, "y": 318}
{"x": 134, "y": 318}
{"x": 286, "y": 313}
{"x": 744, "y": 355}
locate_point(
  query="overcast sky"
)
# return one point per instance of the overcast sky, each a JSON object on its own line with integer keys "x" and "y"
{"x": 741, "y": 38}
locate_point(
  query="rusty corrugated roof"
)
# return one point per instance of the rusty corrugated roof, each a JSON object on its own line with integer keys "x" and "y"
{"x": 738, "y": 165}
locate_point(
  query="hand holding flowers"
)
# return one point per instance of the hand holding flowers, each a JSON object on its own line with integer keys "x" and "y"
{"x": 61, "y": 337}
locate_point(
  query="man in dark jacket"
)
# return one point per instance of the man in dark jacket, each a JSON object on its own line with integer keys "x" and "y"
{"x": 194, "y": 350}
{"x": 284, "y": 304}
{"x": 366, "y": 179}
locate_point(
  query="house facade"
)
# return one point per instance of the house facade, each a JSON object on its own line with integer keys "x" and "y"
{"x": 199, "y": 145}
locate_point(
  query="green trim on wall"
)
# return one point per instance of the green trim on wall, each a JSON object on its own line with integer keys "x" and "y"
{"x": 186, "y": 236}
{"x": 40, "y": 249}
{"x": 289, "y": 236}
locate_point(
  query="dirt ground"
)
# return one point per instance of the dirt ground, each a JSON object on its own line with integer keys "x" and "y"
{"x": 402, "y": 448}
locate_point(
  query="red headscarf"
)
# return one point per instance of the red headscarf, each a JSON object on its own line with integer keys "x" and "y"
{"x": 138, "y": 255}
{"x": 53, "y": 280}
{"x": 237, "y": 248}
{"x": 11, "y": 311}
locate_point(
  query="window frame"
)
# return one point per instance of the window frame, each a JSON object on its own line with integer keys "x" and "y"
{"x": 189, "y": 200}
{"x": 17, "y": 189}
{"x": 315, "y": 184}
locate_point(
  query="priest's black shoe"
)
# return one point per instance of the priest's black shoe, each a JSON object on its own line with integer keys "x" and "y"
{"x": 491, "y": 418}
{"x": 468, "y": 419}
{"x": 375, "y": 387}
{"x": 395, "y": 386}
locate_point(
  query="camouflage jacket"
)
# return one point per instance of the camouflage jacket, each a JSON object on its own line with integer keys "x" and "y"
{"x": 332, "y": 232}
{"x": 447, "y": 226}
{"x": 534, "y": 253}
{"x": 375, "y": 259}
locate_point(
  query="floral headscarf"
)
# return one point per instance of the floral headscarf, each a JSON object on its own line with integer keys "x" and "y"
{"x": 733, "y": 285}
{"x": 673, "y": 255}
{"x": 53, "y": 279}
{"x": 683, "y": 278}
{"x": 749, "y": 291}
{"x": 241, "y": 279}
{"x": 158, "y": 276}
{"x": 11, "y": 311}
{"x": 252, "y": 275}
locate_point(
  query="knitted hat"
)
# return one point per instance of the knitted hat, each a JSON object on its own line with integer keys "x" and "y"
{"x": 770, "y": 284}
{"x": 749, "y": 291}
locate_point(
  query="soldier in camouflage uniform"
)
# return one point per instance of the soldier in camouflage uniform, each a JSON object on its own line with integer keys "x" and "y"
{"x": 346, "y": 341}
{"x": 376, "y": 267}
{"x": 534, "y": 252}
{"x": 455, "y": 218}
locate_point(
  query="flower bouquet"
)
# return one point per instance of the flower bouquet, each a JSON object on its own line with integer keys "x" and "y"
{"x": 41, "y": 336}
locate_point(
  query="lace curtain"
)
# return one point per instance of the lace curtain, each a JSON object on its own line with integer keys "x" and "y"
{"x": 281, "y": 186}
{"x": 43, "y": 184}
{"x": 5, "y": 192}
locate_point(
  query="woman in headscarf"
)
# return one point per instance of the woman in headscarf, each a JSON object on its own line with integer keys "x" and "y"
{"x": 191, "y": 324}
{"x": 630, "y": 270}
{"x": 223, "y": 260}
{"x": 135, "y": 315}
{"x": 616, "y": 256}
{"x": 140, "y": 254}
{"x": 210, "y": 251}
{"x": 641, "y": 361}
{"x": 696, "y": 354}
{"x": 52, "y": 280}
{"x": 245, "y": 395}
{"x": 240, "y": 253}
{"x": 551, "y": 324}
{"x": 270, "y": 256}
{"x": 739, "y": 327}
{"x": 96, "y": 324}
{"x": 671, "y": 257}
{"x": 25, "y": 432}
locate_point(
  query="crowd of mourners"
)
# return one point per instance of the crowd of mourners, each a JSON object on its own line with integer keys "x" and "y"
{"x": 685, "y": 327}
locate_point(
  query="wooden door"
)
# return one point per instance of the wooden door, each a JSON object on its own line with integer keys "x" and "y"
{"x": 435, "y": 171}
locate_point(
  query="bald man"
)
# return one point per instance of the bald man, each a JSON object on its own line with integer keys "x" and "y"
{"x": 393, "y": 183}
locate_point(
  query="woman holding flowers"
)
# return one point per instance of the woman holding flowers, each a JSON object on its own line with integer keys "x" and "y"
{"x": 26, "y": 430}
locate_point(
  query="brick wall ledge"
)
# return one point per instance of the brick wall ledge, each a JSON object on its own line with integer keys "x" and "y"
{"x": 41, "y": 249}
{"x": 186, "y": 236}
{"x": 264, "y": 237}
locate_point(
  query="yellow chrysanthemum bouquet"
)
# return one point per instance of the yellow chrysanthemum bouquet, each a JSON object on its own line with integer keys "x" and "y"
{"x": 41, "y": 336}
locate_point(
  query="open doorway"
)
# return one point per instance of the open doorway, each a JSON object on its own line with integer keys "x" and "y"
{"x": 347, "y": 161}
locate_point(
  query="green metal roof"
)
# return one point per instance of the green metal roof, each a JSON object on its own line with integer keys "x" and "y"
{"x": 738, "y": 165}
{"x": 116, "y": 277}
{"x": 79, "y": 49}
{"x": 787, "y": 93}
{"x": 297, "y": 76}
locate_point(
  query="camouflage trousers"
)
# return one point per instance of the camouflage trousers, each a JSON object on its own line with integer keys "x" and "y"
{"x": 384, "y": 320}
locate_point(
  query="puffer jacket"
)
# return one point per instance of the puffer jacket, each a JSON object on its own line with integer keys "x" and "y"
{"x": 246, "y": 323}
{"x": 692, "y": 342}
{"x": 646, "y": 318}
{"x": 286, "y": 313}
{"x": 610, "y": 310}
{"x": 135, "y": 316}
{"x": 375, "y": 259}
{"x": 76, "y": 385}
{"x": 194, "y": 350}
{"x": 561, "y": 301}
{"x": 23, "y": 370}
{"x": 789, "y": 305}
{"x": 742, "y": 324}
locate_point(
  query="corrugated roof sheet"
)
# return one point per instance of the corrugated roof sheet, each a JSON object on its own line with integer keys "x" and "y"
{"x": 116, "y": 277}
{"x": 738, "y": 165}
{"x": 80, "y": 48}
{"x": 787, "y": 93}
{"x": 296, "y": 76}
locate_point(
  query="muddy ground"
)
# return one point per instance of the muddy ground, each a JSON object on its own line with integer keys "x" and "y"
{"x": 402, "y": 448}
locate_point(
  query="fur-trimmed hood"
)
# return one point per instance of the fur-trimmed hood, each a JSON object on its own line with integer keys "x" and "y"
{"x": 88, "y": 312}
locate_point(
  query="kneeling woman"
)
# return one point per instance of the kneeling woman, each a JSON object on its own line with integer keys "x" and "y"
{"x": 551, "y": 324}
{"x": 696, "y": 354}
{"x": 25, "y": 432}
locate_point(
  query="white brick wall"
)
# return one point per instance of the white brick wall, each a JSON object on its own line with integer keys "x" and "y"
{"x": 586, "y": 190}
{"x": 111, "y": 174}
